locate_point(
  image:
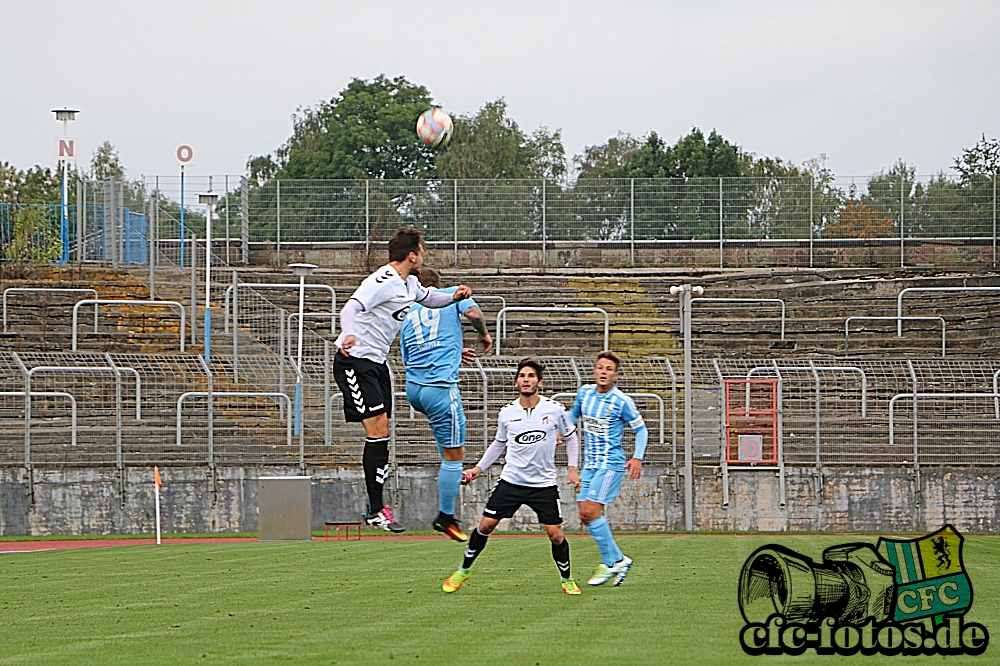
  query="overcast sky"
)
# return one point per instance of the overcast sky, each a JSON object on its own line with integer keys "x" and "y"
{"x": 866, "y": 83}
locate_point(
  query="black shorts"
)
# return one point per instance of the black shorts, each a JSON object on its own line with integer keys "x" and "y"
{"x": 365, "y": 385}
{"x": 507, "y": 498}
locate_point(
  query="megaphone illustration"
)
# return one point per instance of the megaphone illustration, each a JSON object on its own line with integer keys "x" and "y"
{"x": 852, "y": 584}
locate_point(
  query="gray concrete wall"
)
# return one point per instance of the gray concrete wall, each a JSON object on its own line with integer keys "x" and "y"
{"x": 89, "y": 501}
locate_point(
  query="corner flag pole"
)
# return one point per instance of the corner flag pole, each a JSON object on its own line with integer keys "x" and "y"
{"x": 157, "y": 482}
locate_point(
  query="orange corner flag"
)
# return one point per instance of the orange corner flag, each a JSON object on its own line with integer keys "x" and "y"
{"x": 156, "y": 477}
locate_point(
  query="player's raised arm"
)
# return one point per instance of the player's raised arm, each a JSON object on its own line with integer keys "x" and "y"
{"x": 433, "y": 298}
{"x": 475, "y": 317}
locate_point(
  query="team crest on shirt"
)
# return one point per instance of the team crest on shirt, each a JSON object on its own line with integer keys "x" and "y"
{"x": 545, "y": 420}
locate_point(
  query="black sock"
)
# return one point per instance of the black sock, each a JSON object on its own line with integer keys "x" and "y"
{"x": 560, "y": 553}
{"x": 375, "y": 462}
{"x": 476, "y": 544}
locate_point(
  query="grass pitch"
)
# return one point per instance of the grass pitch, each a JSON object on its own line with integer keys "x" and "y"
{"x": 380, "y": 602}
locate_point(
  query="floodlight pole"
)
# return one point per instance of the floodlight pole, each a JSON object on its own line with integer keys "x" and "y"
{"x": 209, "y": 201}
{"x": 684, "y": 293}
{"x": 64, "y": 115}
{"x": 182, "y": 225}
{"x": 301, "y": 270}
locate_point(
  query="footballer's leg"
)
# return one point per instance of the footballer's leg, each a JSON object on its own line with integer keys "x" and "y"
{"x": 601, "y": 489}
{"x": 477, "y": 542}
{"x": 448, "y": 424}
{"x": 545, "y": 503}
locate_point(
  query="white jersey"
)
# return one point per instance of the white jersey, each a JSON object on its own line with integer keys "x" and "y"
{"x": 530, "y": 436}
{"x": 385, "y": 298}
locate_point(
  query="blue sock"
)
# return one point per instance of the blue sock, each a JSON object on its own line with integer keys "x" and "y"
{"x": 601, "y": 531}
{"x": 449, "y": 479}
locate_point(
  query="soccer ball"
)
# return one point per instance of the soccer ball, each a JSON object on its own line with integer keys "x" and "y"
{"x": 434, "y": 127}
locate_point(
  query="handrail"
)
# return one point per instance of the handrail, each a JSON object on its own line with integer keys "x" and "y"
{"x": 654, "y": 396}
{"x": 913, "y": 290}
{"x": 932, "y": 396}
{"x": 748, "y": 300}
{"x": 996, "y": 389}
{"x": 274, "y": 285}
{"x": 847, "y": 327}
{"x": 817, "y": 368}
{"x": 237, "y": 394}
{"x": 101, "y": 301}
{"x": 46, "y": 290}
{"x": 310, "y": 315}
{"x": 502, "y": 317}
{"x": 51, "y": 394}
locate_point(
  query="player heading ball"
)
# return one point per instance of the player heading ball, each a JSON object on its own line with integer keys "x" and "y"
{"x": 369, "y": 322}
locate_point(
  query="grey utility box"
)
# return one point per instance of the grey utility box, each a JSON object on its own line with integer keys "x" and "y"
{"x": 284, "y": 508}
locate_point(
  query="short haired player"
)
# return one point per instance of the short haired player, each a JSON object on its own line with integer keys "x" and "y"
{"x": 528, "y": 429}
{"x": 431, "y": 345}
{"x": 369, "y": 322}
{"x": 603, "y": 411}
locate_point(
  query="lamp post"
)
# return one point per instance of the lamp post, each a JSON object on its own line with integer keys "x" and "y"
{"x": 301, "y": 270}
{"x": 209, "y": 201}
{"x": 684, "y": 293}
{"x": 65, "y": 115}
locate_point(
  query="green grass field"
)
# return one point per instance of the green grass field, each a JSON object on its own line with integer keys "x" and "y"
{"x": 380, "y": 602}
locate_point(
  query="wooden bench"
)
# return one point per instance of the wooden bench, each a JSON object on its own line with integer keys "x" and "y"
{"x": 343, "y": 530}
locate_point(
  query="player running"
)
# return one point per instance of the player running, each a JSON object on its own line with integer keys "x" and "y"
{"x": 605, "y": 411}
{"x": 369, "y": 322}
{"x": 431, "y": 344}
{"x": 528, "y": 429}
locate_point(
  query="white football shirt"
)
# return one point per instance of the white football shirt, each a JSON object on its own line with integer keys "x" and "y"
{"x": 530, "y": 436}
{"x": 386, "y": 298}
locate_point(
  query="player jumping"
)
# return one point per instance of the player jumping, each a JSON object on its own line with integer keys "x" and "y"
{"x": 605, "y": 411}
{"x": 431, "y": 344}
{"x": 369, "y": 322}
{"x": 528, "y": 429}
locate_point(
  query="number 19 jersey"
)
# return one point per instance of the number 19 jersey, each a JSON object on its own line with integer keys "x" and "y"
{"x": 431, "y": 342}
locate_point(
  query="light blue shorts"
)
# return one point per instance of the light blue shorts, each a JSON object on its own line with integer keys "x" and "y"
{"x": 443, "y": 407}
{"x": 600, "y": 485}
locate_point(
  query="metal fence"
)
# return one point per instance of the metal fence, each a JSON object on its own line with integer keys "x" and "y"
{"x": 886, "y": 215}
{"x": 127, "y": 410}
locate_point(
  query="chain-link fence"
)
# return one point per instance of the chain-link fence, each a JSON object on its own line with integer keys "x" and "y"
{"x": 884, "y": 219}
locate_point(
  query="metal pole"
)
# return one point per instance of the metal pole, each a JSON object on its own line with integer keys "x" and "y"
{"x": 151, "y": 223}
{"x": 902, "y": 249}
{"x": 812, "y": 189}
{"x": 632, "y": 217}
{"x": 455, "y": 188}
{"x": 182, "y": 226}
{"x": 685, "y": 302}
{"x": 721, "y": 235}
{"x": 327, "y": 416}
{"x": 994, "y": 218}
{"x": 543, "y": 222}
{"x": 278, "y": 237}
{"x": 64, "y": 221}
{"x": 81, "y": 215}
{"x": 194, "y": 288}
{"x": 298, "y": 361}
{"x": 208, "y": 283}
{"x": 228, "y": 201}
{"x": 368, "y": 233}
{"x": 236, "y": 329}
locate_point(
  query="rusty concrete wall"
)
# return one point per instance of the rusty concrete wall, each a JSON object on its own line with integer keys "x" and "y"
{"x": 89, "y": 500}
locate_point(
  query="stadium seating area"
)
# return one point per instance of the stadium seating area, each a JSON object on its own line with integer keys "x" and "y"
{"x": 823, "y": 403}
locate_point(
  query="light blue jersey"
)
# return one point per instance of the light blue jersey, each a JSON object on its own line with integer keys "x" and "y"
{"x": 431, "y": 342}
{"x": 602, "y": 417}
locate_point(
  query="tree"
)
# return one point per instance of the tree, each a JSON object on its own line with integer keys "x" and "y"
{"x": 491, "y": 145}
{"x": 857, "y": 220}
{"x": 106, "y": 163}
{"x": 607, "y": 159}
{"x": 35, "y": 185}
{"x": 367, "y": 131}
{"x": 983, "y": 159}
